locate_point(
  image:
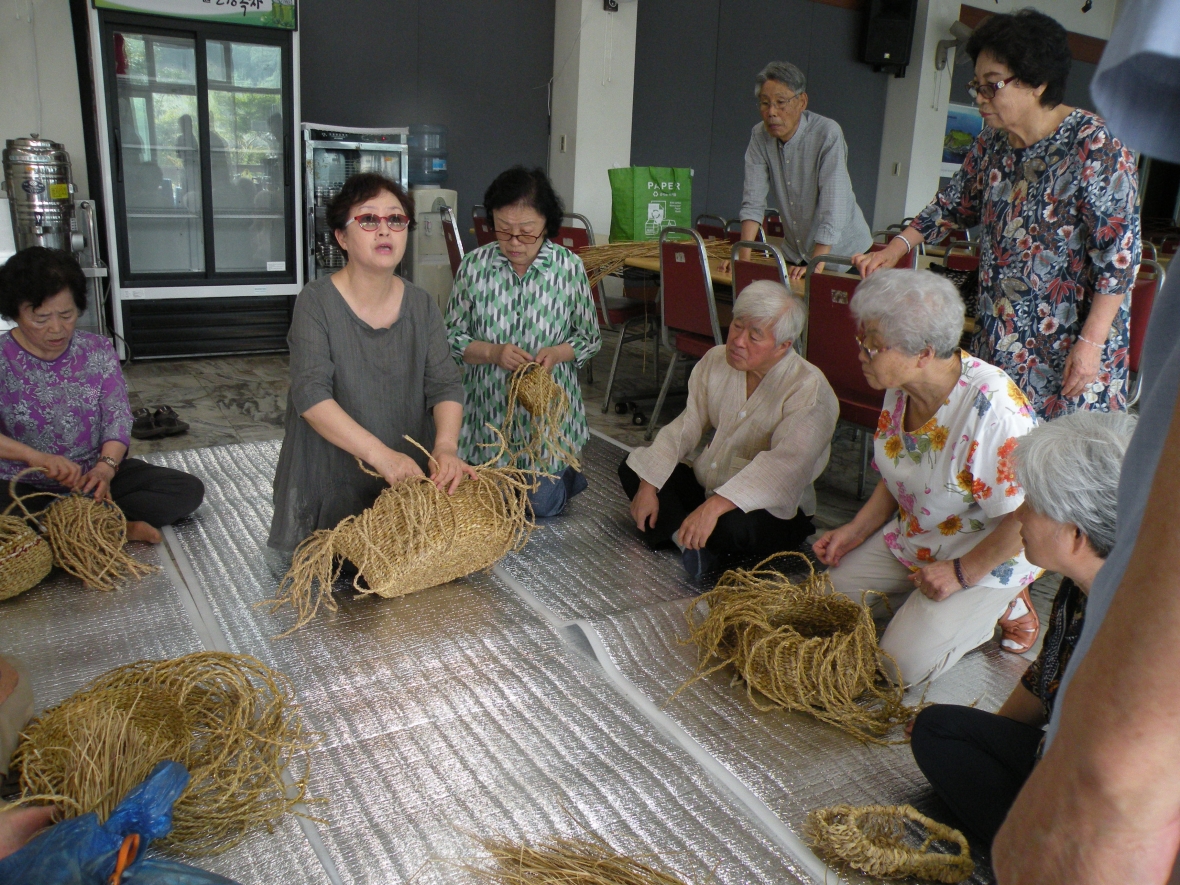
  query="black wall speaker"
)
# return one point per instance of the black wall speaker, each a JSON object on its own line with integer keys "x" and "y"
{"x": 888, "y": 33}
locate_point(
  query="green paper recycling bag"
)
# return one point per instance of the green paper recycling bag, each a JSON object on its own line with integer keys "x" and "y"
{"x": 647, "y": 199}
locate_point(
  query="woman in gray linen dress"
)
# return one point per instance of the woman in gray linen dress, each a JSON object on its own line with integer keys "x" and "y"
{"x": 369, "y": 364}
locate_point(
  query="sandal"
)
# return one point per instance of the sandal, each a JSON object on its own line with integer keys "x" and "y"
{"x": 1019, "y": 625}
{"x": 169, "y": 422}
{"x": 144, "y": 425}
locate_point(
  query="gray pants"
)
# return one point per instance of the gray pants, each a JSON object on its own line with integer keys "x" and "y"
{"x": 925, "y": 638}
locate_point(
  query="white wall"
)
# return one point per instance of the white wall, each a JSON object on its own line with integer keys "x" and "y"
{"x": 39, "y": 78}
{"x": 594, "y": 83}
{"x": 915, "y": 110}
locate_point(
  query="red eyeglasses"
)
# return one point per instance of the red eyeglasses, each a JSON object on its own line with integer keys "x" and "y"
{"x": 372, "y": 222}
{"x": 987, "y": 90}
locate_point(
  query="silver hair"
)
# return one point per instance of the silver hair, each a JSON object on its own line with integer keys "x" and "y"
{"x": 1069, "y": 469}
{"x": 768, "y": 303}
{"x": 913, "y": 310}
{"x": 781, "y": 72}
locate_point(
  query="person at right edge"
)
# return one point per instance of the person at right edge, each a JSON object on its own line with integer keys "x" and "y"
{"x": 1053, "y": 194}
{"x": 1103, "y": 804}
{"x": 804, "y": 156}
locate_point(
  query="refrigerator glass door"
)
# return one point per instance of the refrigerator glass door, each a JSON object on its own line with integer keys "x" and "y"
{"x": 157, "y": 141}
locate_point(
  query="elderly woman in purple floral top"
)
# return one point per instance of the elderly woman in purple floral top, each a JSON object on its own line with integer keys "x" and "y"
{"x": 1053, "y": 193}
{"x": 63, "y": 402}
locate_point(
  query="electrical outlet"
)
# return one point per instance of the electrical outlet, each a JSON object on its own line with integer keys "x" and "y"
{"x": 563, "y": 144}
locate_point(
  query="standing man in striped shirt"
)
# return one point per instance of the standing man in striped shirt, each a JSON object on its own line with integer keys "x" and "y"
{"x": 806, "y": 159}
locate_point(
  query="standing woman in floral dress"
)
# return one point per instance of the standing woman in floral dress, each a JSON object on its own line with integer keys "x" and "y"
{"x": 523, "y": 298}
{"x": 1053, "y": 193}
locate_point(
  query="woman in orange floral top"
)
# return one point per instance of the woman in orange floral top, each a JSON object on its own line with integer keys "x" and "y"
{"x": 941, "y": 521}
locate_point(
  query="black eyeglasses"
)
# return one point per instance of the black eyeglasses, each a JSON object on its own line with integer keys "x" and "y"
{"x": 372, "y": 222}
{"x": 987, "y": 90}
{"x": 524, "y": 239}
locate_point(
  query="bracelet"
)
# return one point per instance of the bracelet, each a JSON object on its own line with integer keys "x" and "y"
{"x": 958, "y": 564}
{"x": 110, "y": 462}
{"x": 908, "y": 246}
{"x": 1082, "y": 337}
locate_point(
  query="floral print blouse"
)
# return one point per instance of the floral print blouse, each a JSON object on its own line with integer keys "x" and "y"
{"x": 549, "y": 305}
{"x": 1043, "y": 677}
{"x": 1058, "y": 225}
{"x": 953, "y": 478}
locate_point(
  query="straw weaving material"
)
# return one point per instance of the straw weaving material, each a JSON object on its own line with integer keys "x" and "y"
{"x": 801, "y": 646}
{"x": 871, "y": 839}
{"x": 532, "y": 387}
{"x": 229, "y": 719}
{"x": 565, "y": 861}
{"x": 602, "y": 261}
{"x": 25, "y": 557}
{"x": 413, "y": 537}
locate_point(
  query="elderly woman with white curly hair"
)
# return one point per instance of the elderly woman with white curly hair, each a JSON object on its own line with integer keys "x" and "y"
{"x": 1069, "y": 468}
{"x": 942, "y": 519}
{"x": 750, "y": 492}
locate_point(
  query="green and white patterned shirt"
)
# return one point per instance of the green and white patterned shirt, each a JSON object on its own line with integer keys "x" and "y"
{"x": 548, "y": 306}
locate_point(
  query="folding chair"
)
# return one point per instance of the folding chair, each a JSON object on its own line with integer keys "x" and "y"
{"x": 834, "y": 351}
{"x": 711, "y": 227}
{"x": 772, "y": 223}
{"x": 484, "y": 233}
{"x": 1149, "y": 252}
{"x": 733, "y": 230}
{"x": 450, "y": 228}
{"x": 962, "y": 256}
{"x": 886, "y": 237}
{"x": 1148, "y": 284}
{"x": 691, "y": 320}
{"x": 955, "y": 235}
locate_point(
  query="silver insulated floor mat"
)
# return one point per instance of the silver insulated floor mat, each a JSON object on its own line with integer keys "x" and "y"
{"x": 454, "y": 712}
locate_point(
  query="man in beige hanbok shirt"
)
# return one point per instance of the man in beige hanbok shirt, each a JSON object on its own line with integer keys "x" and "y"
{"x": 750, "y": 491}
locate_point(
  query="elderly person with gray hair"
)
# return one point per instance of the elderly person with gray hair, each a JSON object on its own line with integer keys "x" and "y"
{"x": 805, "y": 158}
{"x": 942, "y": 519}
{"x": 749, "y": 493}
{"x": 1069, "y": 469}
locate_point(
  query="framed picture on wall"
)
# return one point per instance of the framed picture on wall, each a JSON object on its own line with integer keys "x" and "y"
{"x": 963, "y": 125}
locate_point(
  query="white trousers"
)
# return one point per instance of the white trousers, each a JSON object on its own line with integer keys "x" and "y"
{"x": 925, "y": 638}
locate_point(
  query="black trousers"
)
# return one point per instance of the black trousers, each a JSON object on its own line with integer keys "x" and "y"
{"x": 144, "y": 492}
{"x": 975, "y": 761}
{"x": 757, "y": 533}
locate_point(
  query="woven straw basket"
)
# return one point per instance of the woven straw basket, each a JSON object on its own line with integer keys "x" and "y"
{"x": 25, "y": 557}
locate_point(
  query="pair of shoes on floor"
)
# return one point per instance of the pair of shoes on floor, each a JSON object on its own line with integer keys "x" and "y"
{"x": 1020, "y": 625}
{"x": 698, "y": 563}
{"x": 162, "y": 422}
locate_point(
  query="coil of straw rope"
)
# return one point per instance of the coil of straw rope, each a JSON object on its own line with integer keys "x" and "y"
{"x": 87, "y": 537}
{"x": 872, "y": 839}
{"x": 800, "y": 646}
{"x": 564, "y": 860}
{"x": 414, "y": 536}
{"x": 25, "y": 556}
{"x": 533, "y": 388}
{"x": 602, "y": 261}
{"x": 229, "y": 719}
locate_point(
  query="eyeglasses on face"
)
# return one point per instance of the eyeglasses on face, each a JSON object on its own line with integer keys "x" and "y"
{"x": 523, "y": 239}
{"x": 870, "y": 352}
{"x": 372, "y": 222}
{"x": 987, "y": 90}
{"x": 779, "y": 104}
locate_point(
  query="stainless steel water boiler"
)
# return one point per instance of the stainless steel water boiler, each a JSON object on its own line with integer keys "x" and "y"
{"x": 40, "y": 191}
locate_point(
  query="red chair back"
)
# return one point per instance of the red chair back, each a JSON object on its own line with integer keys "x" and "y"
{"x": 451, "y": 234}
{"x": 772, "y": 223}
{"x": 733, "y": 230}
{"x": 832, "y": 346}
{"x": 955, "y": 235}
{"x": 1147, "y": 286}
{"x": 906, "y": 263}
{"x": 711, "y": 227}
{"x": 960, "y": 258}
{"x": 1168, "y": 245}
{"x": 689, "y": 311}
{"x": 483, "y": 226}
{"x": 745, "y": 272}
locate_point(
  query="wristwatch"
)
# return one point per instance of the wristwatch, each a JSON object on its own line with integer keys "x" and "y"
{"x": 109, "y": 461}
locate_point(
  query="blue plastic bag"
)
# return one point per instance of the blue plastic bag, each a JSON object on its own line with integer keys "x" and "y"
{"x": 81, "y": 851}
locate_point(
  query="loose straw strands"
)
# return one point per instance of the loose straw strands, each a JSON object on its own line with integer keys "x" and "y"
{"x": 413, "y": 537}
{"x": 532, "y": 387}
{"x": 801, "y": 646}
{"x": 229, "y": 719}
{"x": 872, "y": 839}
{"x": 25, "y": 557}
{"x": 602, "y": 261}
{"x": 87, "y": 537}
{"x": 565, "y": 861}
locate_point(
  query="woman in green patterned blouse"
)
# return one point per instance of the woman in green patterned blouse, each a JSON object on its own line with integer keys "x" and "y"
{"x": 523, "y": 298}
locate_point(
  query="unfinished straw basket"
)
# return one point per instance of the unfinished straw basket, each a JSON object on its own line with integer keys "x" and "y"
{"x": 800, "y": 646}
{"x": 87, "y": 537}
{"x": 25, "y": 557}
{"x": 413, "y": 537}
{"x": 532, "y": 387}
{"x": 229, "y": 719}
{"x": 872, "y": 839}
